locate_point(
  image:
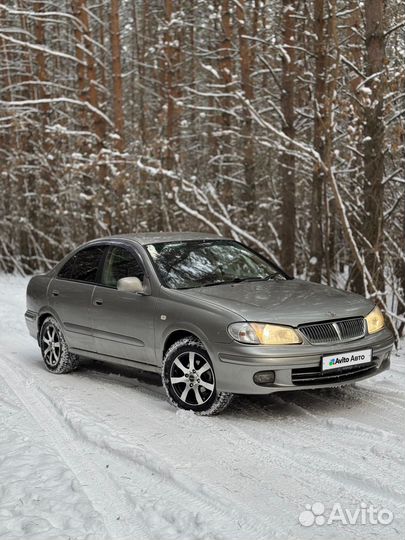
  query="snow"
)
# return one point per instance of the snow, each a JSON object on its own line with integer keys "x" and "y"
{"x": 100, "y": 454}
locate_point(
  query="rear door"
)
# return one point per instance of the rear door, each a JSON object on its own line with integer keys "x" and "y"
{"x": 71, "y": 292}
{"x": 123, "y": 321}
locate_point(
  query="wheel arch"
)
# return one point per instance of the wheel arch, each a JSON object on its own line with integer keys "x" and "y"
{"x": 42, "y": 316}
{"x": 176, "y": 335}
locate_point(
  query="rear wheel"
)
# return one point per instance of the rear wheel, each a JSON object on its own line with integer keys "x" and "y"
{"x": 189, "y": 379}
{"x": 54, "y": 348}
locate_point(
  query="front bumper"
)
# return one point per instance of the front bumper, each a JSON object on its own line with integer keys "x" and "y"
{"x": 236, "y": 364}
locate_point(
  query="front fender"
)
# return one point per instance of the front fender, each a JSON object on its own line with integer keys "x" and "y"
{"x": 184, "y": 327}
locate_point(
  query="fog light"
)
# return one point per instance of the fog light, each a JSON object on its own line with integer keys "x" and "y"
{"x": 264, "y": 378}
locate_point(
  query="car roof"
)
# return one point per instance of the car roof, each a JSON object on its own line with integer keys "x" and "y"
{"x": 156, "y": 237}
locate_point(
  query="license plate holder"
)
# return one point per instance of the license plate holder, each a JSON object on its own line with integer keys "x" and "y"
{"x": 330, "y": 362}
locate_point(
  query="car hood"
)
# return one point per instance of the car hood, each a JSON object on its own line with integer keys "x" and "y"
{"x": 290, "y": 302}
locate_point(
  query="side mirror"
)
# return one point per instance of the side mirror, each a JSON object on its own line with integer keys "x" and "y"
{"x": 130, "y": 284}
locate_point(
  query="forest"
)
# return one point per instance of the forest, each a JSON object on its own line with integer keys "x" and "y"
{"x": 279, "y": 123}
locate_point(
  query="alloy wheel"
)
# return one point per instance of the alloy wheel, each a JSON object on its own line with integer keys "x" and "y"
{"x": 192, "y": 378}
{"x": 51, "y": 346}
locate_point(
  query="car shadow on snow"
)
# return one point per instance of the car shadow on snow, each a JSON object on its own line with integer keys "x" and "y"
{"x": 125, "y": 375}
{"x": 279, "y": 404}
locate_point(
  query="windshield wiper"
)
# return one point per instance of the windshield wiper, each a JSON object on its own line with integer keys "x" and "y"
{"x": 240, "y": 280}
{"x": 235, "y": 280}
{"x": 215, "y": 283}
{"x": 273, "y": 276}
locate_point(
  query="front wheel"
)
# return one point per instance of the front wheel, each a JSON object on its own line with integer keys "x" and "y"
{"x": 189, "y": 379}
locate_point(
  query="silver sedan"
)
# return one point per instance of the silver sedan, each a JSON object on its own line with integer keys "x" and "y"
{"x": 211, "y": 315}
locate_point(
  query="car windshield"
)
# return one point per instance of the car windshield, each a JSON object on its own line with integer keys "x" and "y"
{"x": 205, "y": 263}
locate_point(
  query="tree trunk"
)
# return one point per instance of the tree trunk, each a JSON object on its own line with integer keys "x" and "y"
{"x": 40, "y": 57}
{"x": 401, "y": 261}
{"x": 118, "y": 114}
{"x": 98, "y": 122}
{"x": 118, "y": 109}
{"x": 318, "y": 175}
{"x": 287, "y": 160}
{"x": 46, "y": 188}
{"x": 246, "y": 54}
{"x": 87, "y": 85}
{"x": 225, "y": 73}
{"x": 172, "y": 86}
{"x": 401, "y": 271}
{"x": 374, "y": 142}
{"x": 355, "y": 56}
{"x": 81, "y": 68}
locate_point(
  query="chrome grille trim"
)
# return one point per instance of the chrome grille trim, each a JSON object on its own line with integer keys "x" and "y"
{"x": 334, "y": 331}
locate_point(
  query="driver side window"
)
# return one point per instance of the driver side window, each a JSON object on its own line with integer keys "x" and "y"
{"x": 120, "y": 263}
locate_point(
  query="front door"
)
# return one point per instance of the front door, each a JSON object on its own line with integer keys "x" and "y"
{"x": 122, "y": 321}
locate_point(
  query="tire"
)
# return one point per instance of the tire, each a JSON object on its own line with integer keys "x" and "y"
{"x": 57, "y": 357}
{"x": 188, "y": 360}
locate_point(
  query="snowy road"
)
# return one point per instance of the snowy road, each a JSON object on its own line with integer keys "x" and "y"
{"x": 100, "y": 454}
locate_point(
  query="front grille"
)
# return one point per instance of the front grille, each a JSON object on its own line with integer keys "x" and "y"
{"x": 314, "y": 375}
{"x": 334, "y": 332}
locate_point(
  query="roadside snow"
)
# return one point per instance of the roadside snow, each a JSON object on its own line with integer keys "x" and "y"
{"x": 100, "y": 454}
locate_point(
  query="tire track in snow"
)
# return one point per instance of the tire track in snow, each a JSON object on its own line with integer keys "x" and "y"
{"x": 343, "y": 425}
{"x": 378, "y": 406}
{"x": 226, "y": 465}
{"x": 323, "y": 467}
{"x": 318, "y": 438}
{"x": 200, "y": 495}
{"x": 245, "y": 525}
{"x": 327, "y": 485}
{"x": 377, "y": 398}
{"x": 309, "y": 427}
{"x": 285, "y": 459}
{"x": 100, "y": 490}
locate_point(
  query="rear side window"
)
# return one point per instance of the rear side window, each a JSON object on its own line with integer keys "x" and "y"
{"x": 121, "y": 263}
{"x": 67, "y": 268}
{"x": 84, "y": 265}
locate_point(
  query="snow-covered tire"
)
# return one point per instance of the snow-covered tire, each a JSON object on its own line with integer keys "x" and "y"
{"x": 54, "y": 349}
{"x": 188, "y": 360}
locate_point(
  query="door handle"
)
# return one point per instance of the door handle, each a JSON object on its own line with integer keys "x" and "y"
{"x": 55, "y": 293}
{"x": 98, "y": 302}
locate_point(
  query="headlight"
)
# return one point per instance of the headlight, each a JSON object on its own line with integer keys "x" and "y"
{"x": 263, "y": 334}
{"x": 375, "y": 321}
